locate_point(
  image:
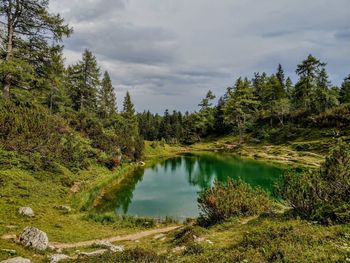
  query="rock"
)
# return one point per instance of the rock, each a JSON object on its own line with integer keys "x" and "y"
{"x": 210, "y": 242}
{"x": 16, "y": 260}
{"x": 9, "y": 236}
{"x": 26, "y": 211}
{"x": 93, "y": 253}
{"x": 34, "y": 238}
{"x": 64, "y": 208}
{"x": 58, "y": 257}
{"x": 160, "y": 236}
{"x": 109, "y": 246}
{"x": 178, "y": 249}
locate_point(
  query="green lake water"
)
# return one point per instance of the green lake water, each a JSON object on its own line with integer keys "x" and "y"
{"x": 171, "y": 187}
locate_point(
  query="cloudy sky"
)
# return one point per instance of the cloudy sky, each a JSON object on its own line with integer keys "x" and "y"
{"x": 169, "y": 53}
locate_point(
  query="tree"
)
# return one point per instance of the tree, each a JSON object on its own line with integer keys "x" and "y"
{"x": 289, "y": 88}
{"x": 107, "y": 98}
{"x": 53, "y": 90}
{"x": 304, "y": 90}
{"x": 281, "y": 78}
{"x": 206, "y": 114}
{"x": 28, "y": 25}
{"x": 344, "y": 95}
{"x": 130, "y": 130}
{"x": 240, "y": 106}
{"x": 84, "y": 80}
{"x": 323, "y": 97}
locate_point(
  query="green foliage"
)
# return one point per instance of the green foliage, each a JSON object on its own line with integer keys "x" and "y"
{"x": 106, "y": 98}
{"x": 344, "y": 95}
{"x": 235, "y": 198}
{"x": 32, "y": 131}
{"x": 83, "y": 80}
{"x": 240, "y": 106}
{"x": 321, "y": 195}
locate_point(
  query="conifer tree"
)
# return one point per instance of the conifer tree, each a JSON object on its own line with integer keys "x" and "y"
{"x": 107, "y": 98}
{"x": 84, "y": 81}
{"x": 240, "y": 106}
{"x": 29, "y": 27}
{"x": 344, "y": 95}
{"x": 304, "y": 90}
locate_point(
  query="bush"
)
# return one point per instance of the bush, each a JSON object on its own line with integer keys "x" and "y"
{"x": 322, "y": 195}
{"x": 187, "y": 235}
{"x": 32, "y": 131}
{"x": 235, "y": 198}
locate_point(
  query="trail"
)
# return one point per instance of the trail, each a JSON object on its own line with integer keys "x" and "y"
{"x": 130, "y": 237}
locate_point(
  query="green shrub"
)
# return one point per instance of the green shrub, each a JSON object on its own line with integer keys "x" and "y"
{"x": 321, "y": 195}
{"x": 235, "y": 198}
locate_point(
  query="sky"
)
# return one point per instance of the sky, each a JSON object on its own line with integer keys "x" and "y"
{"x": 169, "y": 53}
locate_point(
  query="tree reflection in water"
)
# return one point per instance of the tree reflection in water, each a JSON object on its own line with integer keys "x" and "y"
{"x": 200, "y": 170}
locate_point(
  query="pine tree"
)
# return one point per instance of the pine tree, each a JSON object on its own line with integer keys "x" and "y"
{"x": 304, "y": 90}
{"x": 206, "y": 114}
{"x": 240, "y": 106}
{"x": 323, "y": 97}
{"x": 107, "y": 98}
{"x": 281, "y": 78}
{"x": 344, "y": 95}
{"x": 84, "y": 81}
{"x": 29, "y": 27}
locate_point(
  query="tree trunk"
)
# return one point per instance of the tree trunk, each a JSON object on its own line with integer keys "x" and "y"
{"x": 6, "y": 84}
{"x": 9, "y": 54}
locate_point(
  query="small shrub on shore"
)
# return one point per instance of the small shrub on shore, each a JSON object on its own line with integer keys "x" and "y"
{"x": 234, "y": 198}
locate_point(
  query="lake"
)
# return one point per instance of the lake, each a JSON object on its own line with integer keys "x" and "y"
{"x": 171, "y": 187}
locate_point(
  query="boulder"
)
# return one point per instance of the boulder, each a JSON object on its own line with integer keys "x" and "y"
{"x": 26, "y": 211}
{"x": 34, "y": 238}
{"x": 58, "y": 257}
{"x": 92, "y": 254}
{"x": 16, "y": 260}
{"x": 64, "y": 208}
{"x": 108, "y": 245}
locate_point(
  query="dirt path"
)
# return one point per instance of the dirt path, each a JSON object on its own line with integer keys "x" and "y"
{"x": 130, "y": 237}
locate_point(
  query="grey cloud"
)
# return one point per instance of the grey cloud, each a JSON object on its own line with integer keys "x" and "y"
{"x": 126, "y": 43}
{"x": 343, "y": 35}
{"x": 169, "y": 53}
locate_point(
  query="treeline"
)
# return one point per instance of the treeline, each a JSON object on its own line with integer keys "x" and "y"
{"x": 43, "y": 101}
{"x": 268, "y": 107}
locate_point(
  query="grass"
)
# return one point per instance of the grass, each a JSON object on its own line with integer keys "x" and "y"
{"x": 282, "y": 154}
{"x": 43, "y": 191}
{"x": 274, "y": 238}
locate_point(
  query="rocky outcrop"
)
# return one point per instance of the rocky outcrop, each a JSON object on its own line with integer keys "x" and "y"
{"x": 108, "y": 245}
{"x": 26, "y": 211}
{"x": 34, "y": 238}
{"x": 92, "y": 254}
{"x": 58, "y": 257}
{"x": 16, "y": 260}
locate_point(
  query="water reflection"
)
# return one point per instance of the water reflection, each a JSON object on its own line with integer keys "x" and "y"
{"x": 171, "y": 187}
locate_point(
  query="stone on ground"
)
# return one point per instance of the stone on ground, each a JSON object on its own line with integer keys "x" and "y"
{"x": 34, "y": 238}
{"x": 16, "y": 260}
{"x": 58, "y": 257}
{"x": 108, "y": 245}
{"x": 26, "y": 211}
